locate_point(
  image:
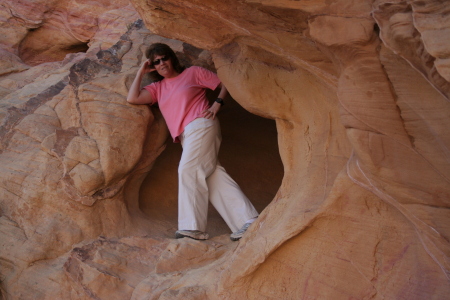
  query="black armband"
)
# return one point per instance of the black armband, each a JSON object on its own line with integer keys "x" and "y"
{"x": 220, "y": 101}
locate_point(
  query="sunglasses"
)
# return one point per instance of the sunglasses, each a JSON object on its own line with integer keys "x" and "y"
{"x": 158, "y": 61}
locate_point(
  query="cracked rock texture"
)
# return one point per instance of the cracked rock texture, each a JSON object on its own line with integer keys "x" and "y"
{"x": 359, "y": 92}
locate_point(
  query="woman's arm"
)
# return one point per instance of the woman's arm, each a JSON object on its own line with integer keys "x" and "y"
{"x": 223, "y": 91}
{"x": 214, "y": 109}
{"x": 135, "y": 94}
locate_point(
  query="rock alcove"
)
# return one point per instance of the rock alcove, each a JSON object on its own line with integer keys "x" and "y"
{"x": 249, "y": 153}
{"x": 49, "y": 44}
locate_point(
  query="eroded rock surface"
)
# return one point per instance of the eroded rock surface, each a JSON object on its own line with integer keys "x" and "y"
{"x": 359, "y": 91}
{"x": 70, "y": 146}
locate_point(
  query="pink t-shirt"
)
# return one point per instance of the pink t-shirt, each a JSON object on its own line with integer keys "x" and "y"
{"x": 182, "y": 99}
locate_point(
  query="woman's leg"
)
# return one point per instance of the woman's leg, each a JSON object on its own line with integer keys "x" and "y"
{"x": 201, "y": 177}
{"x": 201, "y": 141}
{"x": 229, "y": 200}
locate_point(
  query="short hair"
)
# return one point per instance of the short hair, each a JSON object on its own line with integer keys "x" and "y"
{"x": 163, "y": 49}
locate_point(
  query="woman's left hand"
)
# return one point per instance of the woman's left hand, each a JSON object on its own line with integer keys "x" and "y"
{"x": 212, "y": 111}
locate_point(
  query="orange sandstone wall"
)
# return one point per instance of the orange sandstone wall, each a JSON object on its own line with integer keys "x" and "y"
{"x": 357, "y": 207}
{"x": 360, "y": 94}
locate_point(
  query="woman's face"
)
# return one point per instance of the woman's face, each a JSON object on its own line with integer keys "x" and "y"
{"x": 163, "y": 65}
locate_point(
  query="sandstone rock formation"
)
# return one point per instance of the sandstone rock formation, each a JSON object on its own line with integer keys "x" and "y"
{"x": 359, "y": 91}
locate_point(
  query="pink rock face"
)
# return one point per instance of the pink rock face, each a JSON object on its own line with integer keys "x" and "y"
{"x": 360, "y": 95}
{"x": 45, "y": 31}
{"x": 359, "y": 92}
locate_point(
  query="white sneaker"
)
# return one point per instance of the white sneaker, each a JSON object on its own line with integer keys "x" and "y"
{"x": 235, "y": 236}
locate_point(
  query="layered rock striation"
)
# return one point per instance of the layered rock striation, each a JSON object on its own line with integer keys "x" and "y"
{"x": 359, "y": 91}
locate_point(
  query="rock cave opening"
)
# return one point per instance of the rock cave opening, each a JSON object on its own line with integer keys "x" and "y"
{"x": 42, "y": 45}
{"x": 249, "y": 153}
{"x": 77, "y": 47}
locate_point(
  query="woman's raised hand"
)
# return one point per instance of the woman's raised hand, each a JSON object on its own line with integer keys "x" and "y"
{"x": 147, "y": 67}
{"x": 136, "y": 95}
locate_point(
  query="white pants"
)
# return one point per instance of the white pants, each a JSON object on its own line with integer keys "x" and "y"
{"x": 200, "y": 177}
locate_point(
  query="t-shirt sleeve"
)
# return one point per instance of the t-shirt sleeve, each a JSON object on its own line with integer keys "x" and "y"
{"x": 206, "y": 78}
{"x": 151, "y": 88}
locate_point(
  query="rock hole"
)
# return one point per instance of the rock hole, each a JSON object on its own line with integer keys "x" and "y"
{"x": 47, "y": 44}
{"x": 75, "y": 48}
{"x": 249, "y": 153}
{"x": 376, "y": 29}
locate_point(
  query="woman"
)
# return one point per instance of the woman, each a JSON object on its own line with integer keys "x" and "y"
{"x": 181, "y": 96}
